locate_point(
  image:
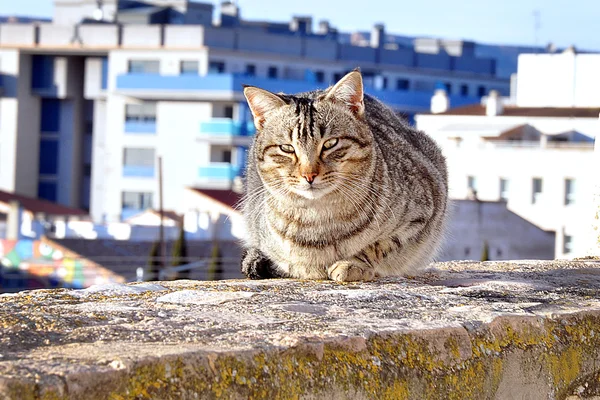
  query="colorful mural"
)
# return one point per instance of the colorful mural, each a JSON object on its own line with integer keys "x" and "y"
{"x": 43, "y": 263}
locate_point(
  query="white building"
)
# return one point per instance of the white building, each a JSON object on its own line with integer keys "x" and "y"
{"x": 87, "y": 104}
{"x": 534, "y": 150}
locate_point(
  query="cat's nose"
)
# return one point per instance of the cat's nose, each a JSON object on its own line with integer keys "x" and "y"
{"x": 310, "y": 177}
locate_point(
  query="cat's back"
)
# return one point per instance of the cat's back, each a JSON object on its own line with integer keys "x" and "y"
{"x": 397, "y": 137}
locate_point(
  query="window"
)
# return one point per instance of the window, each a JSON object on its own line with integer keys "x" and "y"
{"x": 220, "y": 154}
{"x": 216, "y": 67}
{"x": 403, "y": 84}
{"x": 47, "y": 191}
{"x": 448, "y": 87}
{"x": 250, "y": 69}
{"x": 536, "y": 192}
{"x": 228, "y": 112}
{"x": 144, "y": 67}
{"x": 189, "y": 68}
{"x": 50, "y": 115}
{"x": 467, "y": 251}
{"x": 272, "y": 72}
{"x": 481, "y": 91}
{"x": 337, "y": 76}
{"x": 136, "y": 157}
{"x": 569, "y": 191}
{"x": 380, "y": 82}
{"x": 136, "y": 200}
{"x": 42, "y": 74}
{"x": 89, "y": 127}
{"x": 464, "y": 90}
{"x": 503, "y": 189}
{"x": 567, "y": 244}
{"x": 48, "y": 157}
{"x": 144, "y": 112}
{"x": 320, "y": 76}
{"x": 472, "y": 182}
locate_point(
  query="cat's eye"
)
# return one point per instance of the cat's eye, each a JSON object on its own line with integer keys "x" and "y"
{"x": 330, "y": 143}
{"x": 287, "y": 148}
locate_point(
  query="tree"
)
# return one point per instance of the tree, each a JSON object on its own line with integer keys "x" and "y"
{"x": 215, "y": 268}
{"x": 154, "y": 262}
{"x": 485, "y": 254}
{"x": 180, "y": 254}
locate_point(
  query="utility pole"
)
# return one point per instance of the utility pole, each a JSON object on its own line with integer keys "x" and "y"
{"x": 163, "y": 244}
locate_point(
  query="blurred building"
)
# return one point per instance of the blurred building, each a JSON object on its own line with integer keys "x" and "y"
{"x": 89, "y": 101}
{"x": 533, "y": 150}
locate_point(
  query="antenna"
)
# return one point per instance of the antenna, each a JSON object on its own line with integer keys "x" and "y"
{"x": 536, "y": 27}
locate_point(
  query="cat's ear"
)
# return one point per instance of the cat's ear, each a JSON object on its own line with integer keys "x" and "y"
{"x": 349, "y": 91}
{"x": 261, "y": 103}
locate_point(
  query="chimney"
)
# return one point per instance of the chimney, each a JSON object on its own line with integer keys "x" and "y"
{"x": 378, "y": 36}
{"x": 440, "y": 102}
{"x": 324, "y": 27}
{"x": 230, "y": 14}
{"x": 302, "y": 25}
{"x": 493, "y": 107}
{"x": 13, "y": 220}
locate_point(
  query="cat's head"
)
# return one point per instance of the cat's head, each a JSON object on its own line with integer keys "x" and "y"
{"x": 312, "y": 145}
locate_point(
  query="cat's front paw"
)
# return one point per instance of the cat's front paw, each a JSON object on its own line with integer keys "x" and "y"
{"x": 255, "y": 265}
{"x": 350, "y": 271}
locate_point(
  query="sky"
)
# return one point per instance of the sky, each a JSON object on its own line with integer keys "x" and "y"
{"x": 562, "y": 22}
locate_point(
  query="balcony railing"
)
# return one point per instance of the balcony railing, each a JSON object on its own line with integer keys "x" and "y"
{"x": 219, "y": 171}
{"x": 138, "y": 171}
{"x": 232, "y": 83}
{"x": 140, "y": 127}
{"x": 226, "y": 127}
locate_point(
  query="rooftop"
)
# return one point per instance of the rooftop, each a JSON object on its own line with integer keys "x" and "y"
{"x": 36, "y": 206}
{"x": 227, "y": 197}
{"x": 513, "y": 111}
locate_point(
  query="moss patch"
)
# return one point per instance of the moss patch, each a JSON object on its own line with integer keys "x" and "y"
{"x": 391, "y": 367}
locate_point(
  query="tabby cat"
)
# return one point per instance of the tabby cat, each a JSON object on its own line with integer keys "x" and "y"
{"x": 339, "y": 187}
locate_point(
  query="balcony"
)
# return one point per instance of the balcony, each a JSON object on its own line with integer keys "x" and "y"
{"x": 212, "y": 82}
{"x": 148, "y": 127}
{"x": 227, "y": 131}
{"x": 219, "y": 171}
{"x": 138, "y": 171}
{"x": 229, "y": 86}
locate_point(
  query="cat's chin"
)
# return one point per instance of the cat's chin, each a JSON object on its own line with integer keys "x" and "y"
{"x": 311, "y": 193}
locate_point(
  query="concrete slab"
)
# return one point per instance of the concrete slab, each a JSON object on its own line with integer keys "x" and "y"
{"x": 463, "y": 330}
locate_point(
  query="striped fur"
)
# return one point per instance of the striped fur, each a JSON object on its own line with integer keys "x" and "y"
{"x": 378, "y": 201}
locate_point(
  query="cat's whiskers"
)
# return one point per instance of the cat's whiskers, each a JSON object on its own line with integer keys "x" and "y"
{"x": 347, "y": 192}
{"x": 353, "y": 186}
{"x": 359, "y": 184}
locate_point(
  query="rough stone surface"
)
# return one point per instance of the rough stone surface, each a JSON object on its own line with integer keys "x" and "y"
{"x": 463, "y": 330}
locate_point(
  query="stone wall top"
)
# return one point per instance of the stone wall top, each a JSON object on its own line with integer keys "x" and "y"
{"x": 492, "y": 329}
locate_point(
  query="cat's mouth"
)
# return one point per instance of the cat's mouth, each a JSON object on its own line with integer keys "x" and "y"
{"x": 312, "y": 192}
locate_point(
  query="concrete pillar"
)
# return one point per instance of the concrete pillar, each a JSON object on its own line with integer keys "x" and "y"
{"x": 594, "y": 249}
{"x": 13, "y": 220}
